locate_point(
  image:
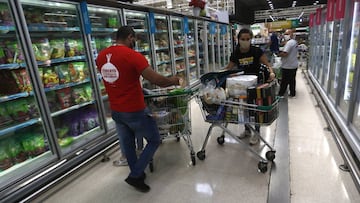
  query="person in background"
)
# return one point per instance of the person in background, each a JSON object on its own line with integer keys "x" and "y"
{"x": 248, "y": 58}
{"x": 289, "y": 64}
{"x": 121, "y": 68}
{"x": 274, "y": 44}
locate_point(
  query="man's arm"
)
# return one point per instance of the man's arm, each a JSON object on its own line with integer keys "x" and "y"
{"x": 157, "y": 79}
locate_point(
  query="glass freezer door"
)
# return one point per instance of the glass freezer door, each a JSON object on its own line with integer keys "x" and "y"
{"x": 211, "y": 45}
{"x": 58, "y": 47}
{"x": 351, "y": 61}
{"x": 356, "y": 23}
{"x": 335, "y": 59}
{"x": 24, "y": 145}
{"x": 162, "y": 46}
{"x": 202, "y": 45}
{"x": 191, "y": 51}
{"x": 104, "y": 24}
{"x": 178, "y": 38}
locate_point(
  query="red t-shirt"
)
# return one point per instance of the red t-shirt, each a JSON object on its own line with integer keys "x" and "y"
{"x": 121, "y": 68}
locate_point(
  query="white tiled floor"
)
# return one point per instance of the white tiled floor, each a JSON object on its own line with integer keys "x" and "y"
{"x": 229, "y": 172}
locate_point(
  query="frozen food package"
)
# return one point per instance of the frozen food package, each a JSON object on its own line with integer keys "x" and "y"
{"x": 237, "y": 85}
{"x": 42, "y": 49}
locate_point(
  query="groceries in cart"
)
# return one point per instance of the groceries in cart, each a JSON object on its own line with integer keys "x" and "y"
{"x": 242, "y": 99}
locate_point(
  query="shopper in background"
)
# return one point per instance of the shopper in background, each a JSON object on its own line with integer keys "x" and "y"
{"x": 121, "y": 68}
{"x": 289, "y": 64}
{"x": 274, "y": 44}
{"x": 248, "y": 58}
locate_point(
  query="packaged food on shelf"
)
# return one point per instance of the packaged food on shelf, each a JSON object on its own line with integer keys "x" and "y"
{"x": 78, "y": 71}
{"x": 42, "y": 49}
{"x": 49, "y": 76}
{"x": 18, "y": 109}
{"x": 63, "y": 73}
{"x": 16, "y": 151}
{"x": 64, "y": 97}
{"x": 5, "y": 159}
{"x": 74, "y": 47}
{"x": 14, "y": 81}
{"x": 13, "y": 52}
{"x": 5, "y": 118}
{"x": 57, "y": 48}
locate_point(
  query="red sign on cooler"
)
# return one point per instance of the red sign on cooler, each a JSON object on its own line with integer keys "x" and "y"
{"x": 330, "y": 10}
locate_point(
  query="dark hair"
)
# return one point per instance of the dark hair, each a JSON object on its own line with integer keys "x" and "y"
{"x": 124, "y": 31}
{"x": 245, "y": 31}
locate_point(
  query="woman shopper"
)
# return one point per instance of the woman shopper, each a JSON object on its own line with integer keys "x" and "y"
{"x": 121, "y": 68}
{"x": 249, "y": 59}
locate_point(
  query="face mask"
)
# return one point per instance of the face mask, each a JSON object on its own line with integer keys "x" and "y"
{"x": 287, "y": 37}
{"x": 244, "y": 44}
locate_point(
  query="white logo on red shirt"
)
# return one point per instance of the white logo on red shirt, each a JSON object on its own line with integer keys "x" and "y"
{"x": 108, "y": 71}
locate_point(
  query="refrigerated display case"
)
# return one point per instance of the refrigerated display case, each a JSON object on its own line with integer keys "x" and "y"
{"x": 328, "y": 34}
{"x": 24, "y": 141}
{"x": 58, "y": 47}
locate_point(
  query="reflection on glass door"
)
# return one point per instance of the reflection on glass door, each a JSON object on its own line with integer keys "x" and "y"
{"x": 59, "y": 51}
{"x": 323, "y": 38}
{"x": 104, "y": 24}
{"x": 24, "y": 145}
{"x": 347, "y": 90}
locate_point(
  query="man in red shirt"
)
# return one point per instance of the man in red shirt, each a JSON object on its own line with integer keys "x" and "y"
{"x": 121, "y": 68}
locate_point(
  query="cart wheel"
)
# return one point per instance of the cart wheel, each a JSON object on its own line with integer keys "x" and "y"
{"x": 193, "y": 160}
{"x": 270, "y": 155}
{"x": 221, "y": 140}
{"x": 201, "y": 155}
{"x": 178, "y": 139}
{"x": 262, "y": 167}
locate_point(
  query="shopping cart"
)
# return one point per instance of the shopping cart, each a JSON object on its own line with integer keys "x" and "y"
{"x": 171, "y": 110}
{"x": 236, "y": 111}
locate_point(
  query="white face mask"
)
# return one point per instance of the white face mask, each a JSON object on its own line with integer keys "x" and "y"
{"x": 287, "y": 37}
{"x": 244, "y": 44}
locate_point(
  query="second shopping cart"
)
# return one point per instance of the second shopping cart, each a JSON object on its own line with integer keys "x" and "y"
{"x": 240, "y": 101}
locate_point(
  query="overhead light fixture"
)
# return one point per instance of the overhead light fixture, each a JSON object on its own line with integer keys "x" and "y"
{"x": 301, "y": 14}
{"x": 271, "y": 18}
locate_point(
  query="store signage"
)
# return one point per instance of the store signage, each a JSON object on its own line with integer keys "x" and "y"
{"x": 285, "y": 24}
{"x": 152, "y": 23}
{"x": 311, "y": 19}
{"x": 318, "y": 16}
{"x": 85, "y": 15}
{"x": 340, "y": 6}
{"x": 330, "y": 10}
{"x": 222, "y": 29}
{"x": 212, "y": 30}
{"x": 186, "y": 25}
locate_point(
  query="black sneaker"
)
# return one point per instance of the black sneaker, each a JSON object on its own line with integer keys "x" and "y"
{"x": 138, "y": 183}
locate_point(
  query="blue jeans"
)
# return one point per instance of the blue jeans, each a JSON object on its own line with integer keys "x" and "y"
{"x": 131, "y": 125}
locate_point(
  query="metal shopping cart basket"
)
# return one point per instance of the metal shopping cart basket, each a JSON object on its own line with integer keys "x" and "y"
{"x": 237, "y": 111}
{"x": 171, "y": 110}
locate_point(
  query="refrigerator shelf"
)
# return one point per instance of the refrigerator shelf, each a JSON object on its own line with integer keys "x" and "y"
{"x": 59, "y": 60}
{"x": 5, "y": 29}
{"x": 62, "y": 86}
{"x": 14, "y": 96}
{"x": 19, "y": 126}
{"x": 104, "y": 29}
{"x": 44, "y": 28}
{"x": 72, "y": 108}
{"x": 162, "y": 62}
{"x": 10, "y": 66}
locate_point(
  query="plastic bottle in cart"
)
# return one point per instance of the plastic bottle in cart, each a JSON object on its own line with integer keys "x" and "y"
{"x": 241, "y": 118}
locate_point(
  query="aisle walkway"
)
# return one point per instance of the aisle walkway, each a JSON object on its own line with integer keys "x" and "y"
{"x": 229, "y": 172}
